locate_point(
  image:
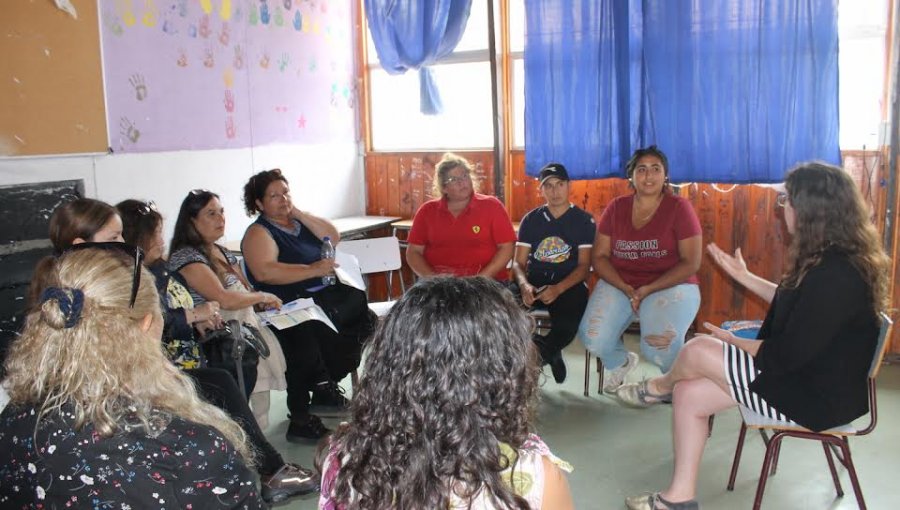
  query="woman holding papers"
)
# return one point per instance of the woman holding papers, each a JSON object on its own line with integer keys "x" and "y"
{"x": 142, "y": 227}
{"x": 283, "y": 253}
{"x": 214, "y": 274}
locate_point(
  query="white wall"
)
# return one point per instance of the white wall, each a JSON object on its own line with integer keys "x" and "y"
{"x": 326, "y": 179}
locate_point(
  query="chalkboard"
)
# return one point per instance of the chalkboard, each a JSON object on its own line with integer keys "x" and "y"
{"x": 26, "y": 211}
{"x": 51, "y": 82}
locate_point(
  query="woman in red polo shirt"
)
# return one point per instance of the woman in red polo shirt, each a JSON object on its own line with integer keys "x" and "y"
{"x": 463, "y": 233}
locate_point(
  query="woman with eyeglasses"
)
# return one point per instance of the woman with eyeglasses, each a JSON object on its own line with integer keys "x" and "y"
{"x": 98, "y": 416}
{"x": 283, "y": 252}
{"x": 646, "y": 253}
{"x": 461, "y": 232}
{"x": 143, "y": 227}
{"x": 212, "y": 273}
{"x": 811, "y": 360}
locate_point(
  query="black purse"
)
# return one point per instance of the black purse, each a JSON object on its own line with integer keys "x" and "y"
{"x": 234, "y": 347}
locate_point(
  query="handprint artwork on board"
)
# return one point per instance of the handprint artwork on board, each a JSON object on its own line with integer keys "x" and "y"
{"x": 128, "y": 129}
{"x": 238, "y": 61}
{"x": 279, "y": 17}
{"x": 140, "y": 87}
{"x": 264, "y": 12}
{"x": 264, "y": 60}
{"x": 284, "y": 61}
{"x": 229, "y": 101}
{"x": 230, "y": 129}
{"x": 182, "y": 58}
{"x": 298, "y": 20}
{"x": 204, "y": 27}
{"x": 209, "y": 59}
{"x": 149, "y": 17}
{"x": 224, "y": 35}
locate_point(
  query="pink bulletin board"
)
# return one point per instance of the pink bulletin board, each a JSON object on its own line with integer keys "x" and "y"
{"x": 216, "y": 74}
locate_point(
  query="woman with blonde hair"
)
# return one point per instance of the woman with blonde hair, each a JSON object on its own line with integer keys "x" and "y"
{"x": 461, "y": 232}
{"x": 810, "y": 362}
{"x": 97, "y": 412}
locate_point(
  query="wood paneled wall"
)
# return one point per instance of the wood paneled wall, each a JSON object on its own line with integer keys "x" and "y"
{"x": 744, "y": 217}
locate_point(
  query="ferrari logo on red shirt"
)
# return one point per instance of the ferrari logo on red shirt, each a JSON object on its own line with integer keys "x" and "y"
{"x": 476, "y": 229}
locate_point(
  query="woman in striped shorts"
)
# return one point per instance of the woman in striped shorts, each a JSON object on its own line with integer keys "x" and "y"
{"x": 810, "y": 360}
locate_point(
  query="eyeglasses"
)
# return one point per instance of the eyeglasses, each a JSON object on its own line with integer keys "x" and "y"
{"x": 450, "y": 180}
{"x": 200, "y": 191}
{"x": 131, "y": 251}
{"x": 781, "y": 199}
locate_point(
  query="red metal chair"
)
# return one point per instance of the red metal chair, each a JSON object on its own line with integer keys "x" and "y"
{"x": 834, "y": 441}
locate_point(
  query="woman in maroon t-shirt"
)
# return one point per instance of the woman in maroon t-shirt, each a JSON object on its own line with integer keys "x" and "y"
{"x": 646, "y": 252}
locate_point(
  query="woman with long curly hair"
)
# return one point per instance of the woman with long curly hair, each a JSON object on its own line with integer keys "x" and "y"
{"x": 97, "y": 412}
{"x": 810, "y": 362}
{"x": 442, "y": 418}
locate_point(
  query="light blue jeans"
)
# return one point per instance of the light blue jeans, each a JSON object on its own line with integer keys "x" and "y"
{"x": 668, "y": 312}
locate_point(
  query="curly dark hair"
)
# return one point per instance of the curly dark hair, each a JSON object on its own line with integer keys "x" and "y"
{"x": 831, "y": 213}
{"x": 255, "y": 189}
{"x": 452, "y": 373}
{"x": 648, "y": 151}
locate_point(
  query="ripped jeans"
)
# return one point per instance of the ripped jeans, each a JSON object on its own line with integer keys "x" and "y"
{"x": 667, "y": 313}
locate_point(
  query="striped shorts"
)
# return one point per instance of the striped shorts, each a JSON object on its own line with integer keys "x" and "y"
{"x": 740, "y": 371}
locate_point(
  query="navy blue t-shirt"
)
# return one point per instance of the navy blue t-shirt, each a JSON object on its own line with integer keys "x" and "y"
{"x": 301, "y": 247}
{"x": 554, "y": 242}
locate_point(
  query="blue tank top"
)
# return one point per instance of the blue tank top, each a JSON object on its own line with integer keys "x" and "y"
{"x": 300, "y": 248}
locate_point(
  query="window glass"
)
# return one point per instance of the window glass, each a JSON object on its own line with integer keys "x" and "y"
{"x": 861, "y": 30}
{"x": 466, "y": 121}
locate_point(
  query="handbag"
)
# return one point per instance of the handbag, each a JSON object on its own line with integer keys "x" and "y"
{"x": 234, "y": 346}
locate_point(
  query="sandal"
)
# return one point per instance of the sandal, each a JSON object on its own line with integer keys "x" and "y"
{"x": 638, "y": 395}
{"x": 654, "y": 501}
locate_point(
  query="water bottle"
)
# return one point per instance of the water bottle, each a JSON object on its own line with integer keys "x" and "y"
{"x": 328, "y": 253}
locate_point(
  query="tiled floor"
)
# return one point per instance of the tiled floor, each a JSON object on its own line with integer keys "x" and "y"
{"x": 618, "y": 451}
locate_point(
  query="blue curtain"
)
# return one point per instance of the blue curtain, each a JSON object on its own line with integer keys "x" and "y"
{"x": 733, "y": 91}
{"x": 411, "y": 34}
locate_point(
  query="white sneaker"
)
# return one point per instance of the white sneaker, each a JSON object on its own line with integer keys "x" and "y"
{"x": 614, "y": 378}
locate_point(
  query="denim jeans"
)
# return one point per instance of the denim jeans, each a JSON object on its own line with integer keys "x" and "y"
{"x": 668, "y": 312}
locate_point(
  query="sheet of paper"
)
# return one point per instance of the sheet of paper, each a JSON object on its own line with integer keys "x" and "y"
{"x": 295, "y": 312}
{"x": 348, "y": 272}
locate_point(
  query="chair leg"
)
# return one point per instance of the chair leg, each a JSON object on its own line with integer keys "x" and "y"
{"x": 851, "y": 469}
{"x": 712, "y": 421}
{"x": 775, "y": 459}
{"x": 599, "y": 377}
{"x": 771, "y": 454}
{"x": 834, "y": 475}
{"x": 737, "y": 456}
{"x": 587, "y": 373}
{"x": 354, "y": 380}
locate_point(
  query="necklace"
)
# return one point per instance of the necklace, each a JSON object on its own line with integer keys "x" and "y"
{"x": 637, "y": 215}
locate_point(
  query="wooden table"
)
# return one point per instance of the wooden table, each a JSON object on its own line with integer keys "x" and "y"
{"x": 350, "y": 227}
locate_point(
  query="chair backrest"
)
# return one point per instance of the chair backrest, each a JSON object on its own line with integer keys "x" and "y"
{"x": 375, "y": 255}
{"x": 881, "y": 347}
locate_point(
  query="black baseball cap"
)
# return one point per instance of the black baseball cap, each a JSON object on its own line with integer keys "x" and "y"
{"x": 553, "y": 170}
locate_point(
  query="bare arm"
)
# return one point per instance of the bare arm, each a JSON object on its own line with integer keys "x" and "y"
{"x": 261, "y": 256}
{"x": 320, "y": 227}
{"x": 415, "y": 257}
{"x": 578, "y": 275}
{"x": 744, "y": 344}
{"x": 735, "y": 267}
{"x": 556, "y": 488}
{"x": 499, "y": 261}
{"x": 203, "y": 280}
{"x": 520, "y": 261}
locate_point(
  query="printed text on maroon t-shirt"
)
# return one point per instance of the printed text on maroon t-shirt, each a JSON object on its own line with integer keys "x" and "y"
{"x": 634, "y": 250}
